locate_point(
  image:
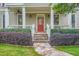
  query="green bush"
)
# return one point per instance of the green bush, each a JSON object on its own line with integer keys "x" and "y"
{"x": 16, "y": 30}
{"x": 65, "y": 31}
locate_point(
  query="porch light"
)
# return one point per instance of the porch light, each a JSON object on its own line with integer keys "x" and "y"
{"x": 48, "y": 15}
{"x": 30, "y": 15}
{"x": 18, "y": 11}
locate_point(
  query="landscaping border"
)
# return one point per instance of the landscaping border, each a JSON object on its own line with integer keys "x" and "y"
{"x": 17, "y": 37}
{"x": 64, "y": 37}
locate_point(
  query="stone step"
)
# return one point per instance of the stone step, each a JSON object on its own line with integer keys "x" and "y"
{"x": 40, "y": 41}
{"x": 40, "y": 37}
{"x": 43, "y": 38}
{"x": 40, "y": 34}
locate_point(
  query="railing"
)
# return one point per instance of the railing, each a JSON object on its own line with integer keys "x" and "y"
{"x": 61, "y": 26}
{"x": 48, "y": 31}
{"x": 33, "y": 31}
{"x": 20, "y": 26}
{"x": 31, "y": 27}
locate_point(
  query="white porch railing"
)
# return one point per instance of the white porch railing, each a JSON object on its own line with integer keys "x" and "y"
{"x": 20, "y": 26}
{"x": 48, "y": 31}
{"x": 31, "y": 27}
{"x": 61, "y": 27}
{"x": 33, "y": 31}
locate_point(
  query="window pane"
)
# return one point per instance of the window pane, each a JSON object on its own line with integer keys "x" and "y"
{"x": 56, "y": 19}
{"x": 3, "y": 21}
{"x": 73, "y": 20}
{"x": 19, "y": 19}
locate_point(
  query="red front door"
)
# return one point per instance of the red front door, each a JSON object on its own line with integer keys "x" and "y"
{"x": 40, "y": 27}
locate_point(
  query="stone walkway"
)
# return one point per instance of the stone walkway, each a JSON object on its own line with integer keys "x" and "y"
{"x": 46, "y": 50}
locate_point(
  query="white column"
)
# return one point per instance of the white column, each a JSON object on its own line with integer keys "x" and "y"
{"x": 52, "y": 18}
{"x": 23, "y": 17}
{"x": 6, "y": 18}
{"x": 75, "y": 20}
{"x": 69, "y": 20}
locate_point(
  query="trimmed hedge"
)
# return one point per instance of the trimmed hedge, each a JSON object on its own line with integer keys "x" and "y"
{"x": 16, "y": 38}
{"x": 65, "y": 31}
{"x": 64, "y": 39}
{"x": 16, "y": 30}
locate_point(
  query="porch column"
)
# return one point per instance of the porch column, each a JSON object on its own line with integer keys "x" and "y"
{"x": 69, "y": 20}
{"x": 76, "y": 19}
{"x": 52, "y": 18}
{"x": 23, "y": 17}
{"x": 6, "y": 18}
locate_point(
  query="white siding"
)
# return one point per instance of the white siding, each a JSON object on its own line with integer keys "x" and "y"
{"x": 13, "y": 19}
{"x": 1, "y": 19}
{"x": 32, "y": 20}
{"x": 63, "y": 20}
{"x": 47, "y": 19}
{"x": 77, "y": 19}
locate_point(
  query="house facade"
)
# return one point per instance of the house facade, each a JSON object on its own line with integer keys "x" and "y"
{"x": 40, "y": 17}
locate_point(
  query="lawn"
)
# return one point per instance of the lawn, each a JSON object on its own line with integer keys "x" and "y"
{"x": 17, "y": 50}
{"x": 74, "y": 50}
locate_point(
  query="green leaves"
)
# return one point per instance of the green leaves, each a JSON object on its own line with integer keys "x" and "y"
{"x": 62, "y": 8}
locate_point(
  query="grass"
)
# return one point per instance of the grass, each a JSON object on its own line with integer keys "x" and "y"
{"x": 17, "y": 50}
{"x": 74, "y": 50}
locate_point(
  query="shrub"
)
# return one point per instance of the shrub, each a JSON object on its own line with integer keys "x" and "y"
{"x": 16, "y": 30}
{"x": 65, "y": 31}
{"x": 16, "y": 38}
{"x": 64, "y": 39}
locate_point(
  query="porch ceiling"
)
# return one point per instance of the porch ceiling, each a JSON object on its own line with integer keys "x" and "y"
{"x": 32, "y": 9}
{"x": 27, "y": 4}
{"x": 37, "y": 4}
{"x": 38, "y": 9}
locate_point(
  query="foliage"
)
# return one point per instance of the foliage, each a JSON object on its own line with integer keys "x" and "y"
{"x": 64, "y": 39}
{"x": 62, "y": 8}
{"x": 16, "y": 30}
{"x": 65, "y": 31}
{"x": 16, "y": 38}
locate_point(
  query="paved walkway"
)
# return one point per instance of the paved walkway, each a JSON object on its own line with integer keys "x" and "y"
{"x": 46, "y": 50}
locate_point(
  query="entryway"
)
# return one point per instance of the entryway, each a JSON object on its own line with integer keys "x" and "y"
{"x": 40, "y": 35}
{"x": 40, "y": 23}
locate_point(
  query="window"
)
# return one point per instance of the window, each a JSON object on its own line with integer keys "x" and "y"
{"x": 3, "y": 21}
{"x": 2, "y": 4}
{"x": 77, "y": 4}
{"x": 19, "y": 19}
{"x": 73, "y": 20}
{"x": 56, "y": 19}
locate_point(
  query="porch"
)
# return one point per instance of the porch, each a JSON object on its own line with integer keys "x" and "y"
{"x": 30, "y": 17}
{"x": 25, "y": 17}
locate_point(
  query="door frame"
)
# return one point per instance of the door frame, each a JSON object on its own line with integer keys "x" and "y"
{"x": 37, "y": 21}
